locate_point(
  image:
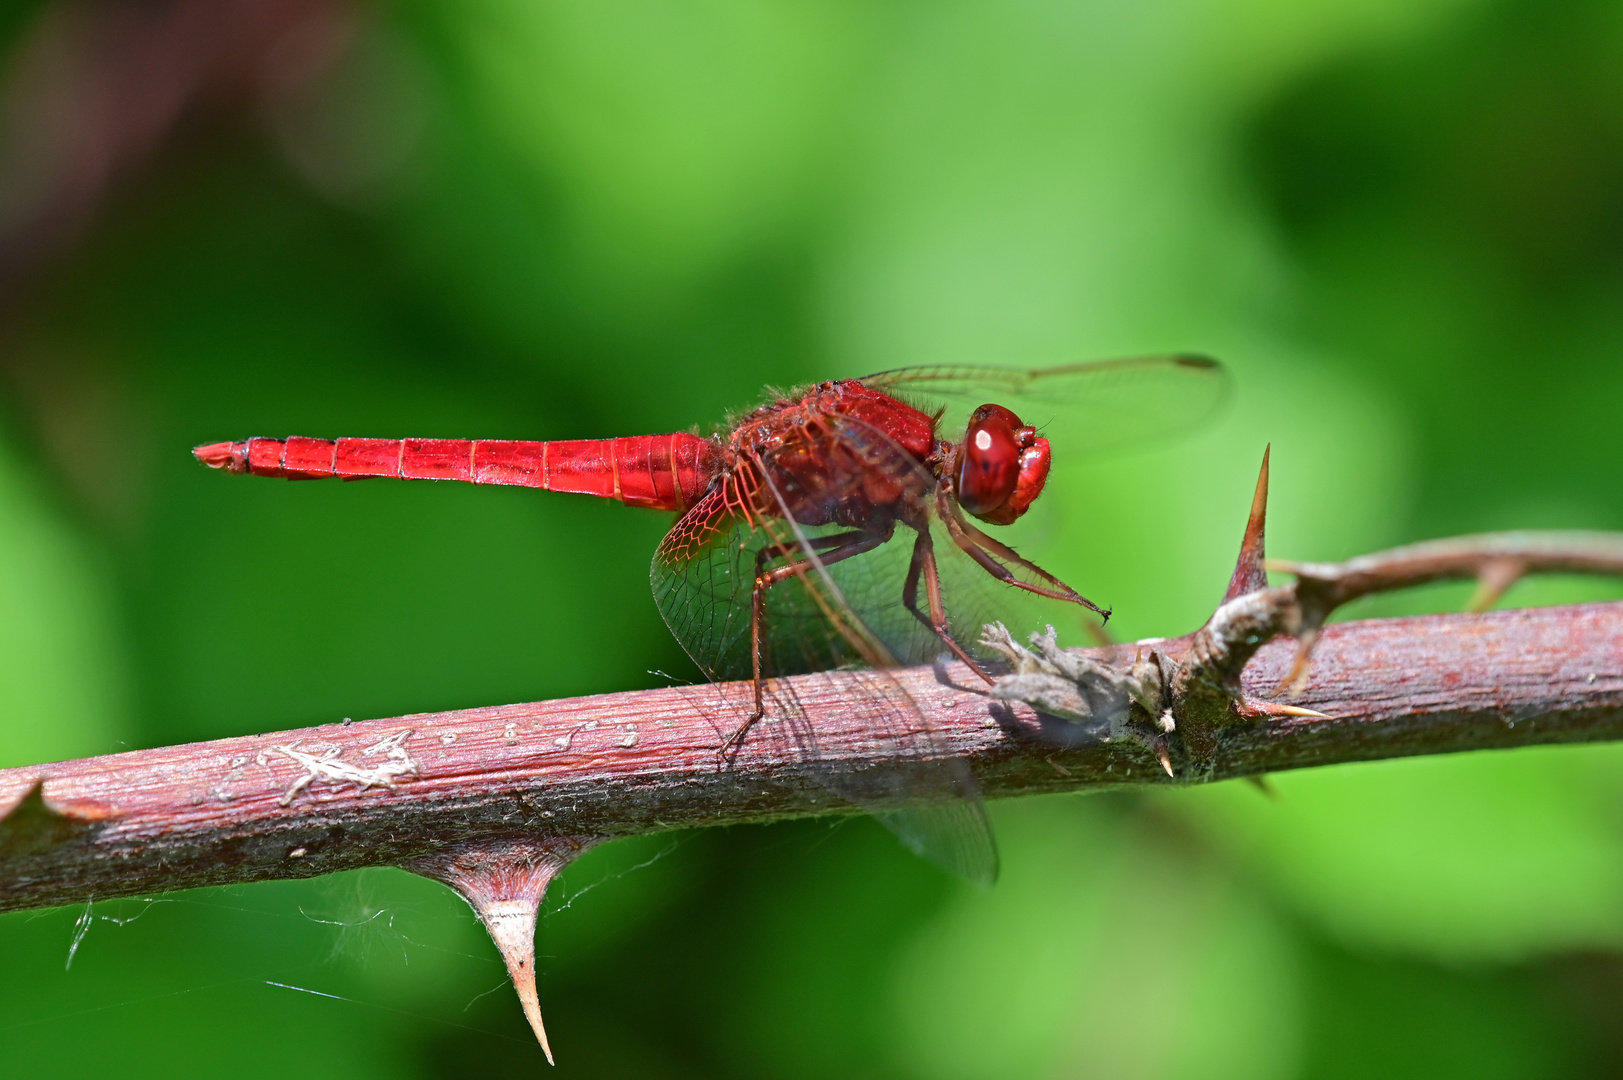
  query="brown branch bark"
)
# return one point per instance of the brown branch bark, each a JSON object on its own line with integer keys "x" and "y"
{"x": 618, "y": 764}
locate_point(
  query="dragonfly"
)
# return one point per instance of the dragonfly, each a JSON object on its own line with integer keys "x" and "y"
{"x": 790, "y": 552}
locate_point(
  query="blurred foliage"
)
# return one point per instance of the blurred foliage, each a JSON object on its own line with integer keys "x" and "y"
{"x": 1401, "y": 224}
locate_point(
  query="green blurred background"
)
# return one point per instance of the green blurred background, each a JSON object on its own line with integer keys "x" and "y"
{"x": 1401, "y": 223}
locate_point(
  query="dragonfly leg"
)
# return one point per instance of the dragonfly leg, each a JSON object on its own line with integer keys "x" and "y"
{"x": 924, "y": 564}
{"x": 987, "y": 550}
{"x": 818, "y": 544}
{"x": 825, "y": 550}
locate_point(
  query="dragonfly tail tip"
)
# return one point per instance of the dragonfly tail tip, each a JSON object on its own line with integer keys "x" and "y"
{"x": 214, "y": 455}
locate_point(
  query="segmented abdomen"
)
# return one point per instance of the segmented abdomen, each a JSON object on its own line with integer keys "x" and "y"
{"x": 667, "y": 472}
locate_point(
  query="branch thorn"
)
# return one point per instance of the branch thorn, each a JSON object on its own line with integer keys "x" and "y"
{"x": 1495, "y": 576}
{"x": 503, "y": 881}
{"x": 1255, "y": 709}
{"x": 1249, "y": 574}
{"x": 31, "y": 824}
{"x": 1163, "y": 756}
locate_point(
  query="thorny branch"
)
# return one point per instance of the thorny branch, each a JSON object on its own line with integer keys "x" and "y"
{"x": 494, "y": 801}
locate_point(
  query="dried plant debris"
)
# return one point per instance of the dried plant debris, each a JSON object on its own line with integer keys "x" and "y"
{"x": 1100, "y": 702}
{"x": 1072, "y": 686}
{"x": 327, "y": 766}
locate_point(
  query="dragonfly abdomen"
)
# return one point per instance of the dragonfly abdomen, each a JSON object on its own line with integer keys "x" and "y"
{"x": 664, "y": 472}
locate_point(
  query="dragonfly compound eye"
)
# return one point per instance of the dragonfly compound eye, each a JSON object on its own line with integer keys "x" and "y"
{"x": 1002, "y": 465}
{"x": 989, "y": 462}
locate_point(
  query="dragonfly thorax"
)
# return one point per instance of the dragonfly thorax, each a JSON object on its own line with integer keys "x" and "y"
{"x": 840, "y": 453}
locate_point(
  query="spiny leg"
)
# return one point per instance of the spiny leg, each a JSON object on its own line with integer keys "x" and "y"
{"x": 972, "y": 541}
{"x": 819, "y": 544}
{"x": 1003, "y": 551}
{"x": 924, "y": 563}
{"x": 829, "y": 550}
{"x": 1005, "y": 575}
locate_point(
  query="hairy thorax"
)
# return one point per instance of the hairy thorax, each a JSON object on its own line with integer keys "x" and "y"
{"x": 837, "y": 454}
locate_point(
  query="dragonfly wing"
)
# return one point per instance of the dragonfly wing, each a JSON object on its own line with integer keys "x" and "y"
{"x": 927, "y": 798}
{"x": 702, "y": 591}
{"x": 836, "y": 613}
{"x": 827, "y": 617}
{"x": 955, "y": 835}
{"x": 1079, "y": 407}
{"x": 862, "y": 597}
{"x": 703, "y": 577}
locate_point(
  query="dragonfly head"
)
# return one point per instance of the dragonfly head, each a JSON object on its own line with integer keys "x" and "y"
{"x": 1002, "y": 465}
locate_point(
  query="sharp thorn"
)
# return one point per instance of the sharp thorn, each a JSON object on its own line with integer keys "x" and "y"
{"x": 1295, "y": 680}
{"x": 504, "y": 881}
{"x": 1249, "y": 573}
{"x": 34, "y": 824}
{"x": 1492, "y": 580}
{"x": 512, "y": 927}
{"x": 1260, "y": 782}
{"x": 1163, "y": 757}
{"x": 1253, "y": 709}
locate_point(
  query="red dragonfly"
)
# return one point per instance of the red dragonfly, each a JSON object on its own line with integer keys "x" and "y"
{"x": 782, "y": 560}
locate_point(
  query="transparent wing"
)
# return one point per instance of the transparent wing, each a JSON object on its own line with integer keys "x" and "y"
{"x": 929, "y": 800}
{"x": 703, "y": 578}
{"x": 1078, "y": 407}
{"x": 836, "y": 614}
{"x": 954, "y": 834}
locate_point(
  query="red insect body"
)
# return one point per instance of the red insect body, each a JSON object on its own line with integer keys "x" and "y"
{"x": 663, "y": 472}
{"x": 840, "y": 454}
